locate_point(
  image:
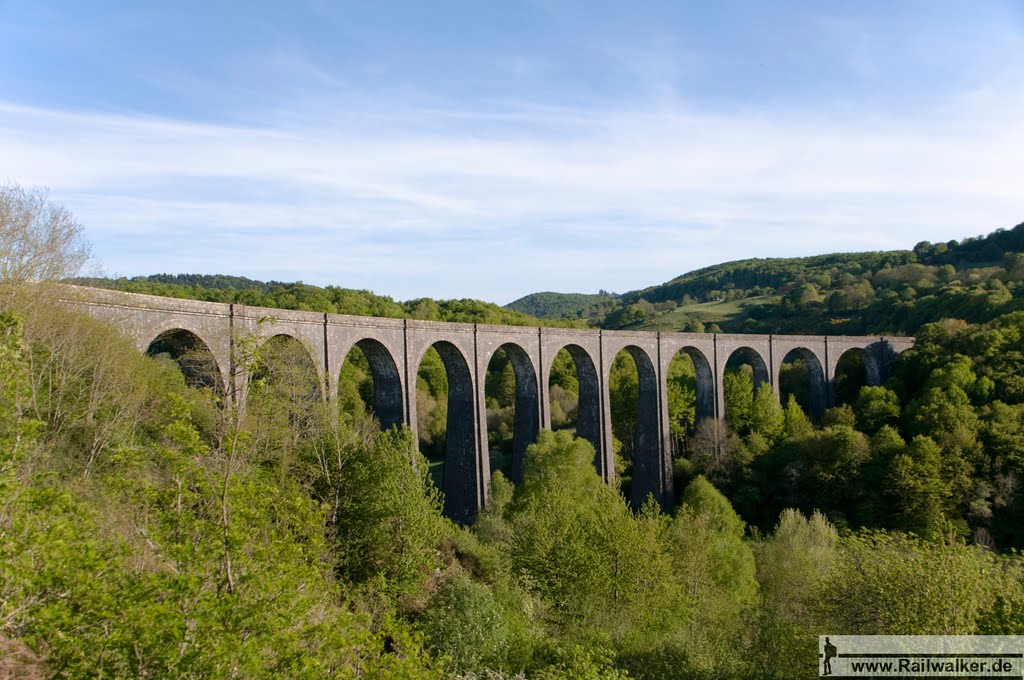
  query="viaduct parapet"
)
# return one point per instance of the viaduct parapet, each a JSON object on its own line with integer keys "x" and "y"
{"x": 395, "y": 347}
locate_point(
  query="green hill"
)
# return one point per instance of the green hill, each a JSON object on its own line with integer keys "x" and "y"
{"x": 329, "y": 299}
{"x": 550, "y": 305}
{"x": 898, "y": 291}
{"x": 975, "y": 279}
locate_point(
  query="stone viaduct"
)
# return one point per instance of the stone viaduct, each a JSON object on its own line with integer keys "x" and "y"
{"x": 395, "y": 347}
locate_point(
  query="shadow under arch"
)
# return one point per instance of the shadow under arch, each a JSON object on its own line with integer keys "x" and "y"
{"x": 193, "y": 356}
{"x": 526, "y": 419}
{"x": 817, "y": 392}
{"x": 648, "y": 469}
{"x": 855, "y": 368}
{"x": 461, "y": 464}
{"x": 705, "y": 377}
{"x": 588, "y": 411}
{"x": 735, "y": 404}
{"x": 286, "y": 363}
{"x": 750, "y": 356}
{"x": 387, "y": 384}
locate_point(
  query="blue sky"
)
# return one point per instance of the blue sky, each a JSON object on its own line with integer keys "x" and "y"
{"x": 489, "y": 150}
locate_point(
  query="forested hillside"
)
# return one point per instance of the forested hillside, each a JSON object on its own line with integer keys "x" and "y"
{"x": 565, "y": 305}
{"x": 894, "y": 292}
{"x": 150, "y": 529}
{"x": 330, "y": 299}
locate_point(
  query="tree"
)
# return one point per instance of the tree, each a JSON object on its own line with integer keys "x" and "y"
{"x": 385, "y": 512}
{"x": 715, "y": 567}
{"x": 918, "y": 490}
{"x": 464, "y": 624}
{"x": 792, "y": 567}
{"x": 797, "y": 424}
{"x": 891, "y": 584}
{"x": 39, "y": 240}
{"x": 876, "y": 407}
{"x": 716, "y": 450}
{"x": 738, "y": 386}
{"x": 766, "y": 415}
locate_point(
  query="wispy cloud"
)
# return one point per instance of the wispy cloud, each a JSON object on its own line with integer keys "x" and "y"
{"x": 495, "y": 202}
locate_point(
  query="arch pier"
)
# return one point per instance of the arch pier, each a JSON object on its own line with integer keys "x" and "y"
{"x": 216, "y": 335}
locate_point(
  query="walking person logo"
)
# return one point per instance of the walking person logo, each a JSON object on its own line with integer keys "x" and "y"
{"x": 830, "y": 653}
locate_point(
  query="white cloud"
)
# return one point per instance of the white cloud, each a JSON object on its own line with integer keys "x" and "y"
{"x": 426, "y": 202}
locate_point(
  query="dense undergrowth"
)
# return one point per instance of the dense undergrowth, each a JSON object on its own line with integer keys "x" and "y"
{"x": 149, "y": 530}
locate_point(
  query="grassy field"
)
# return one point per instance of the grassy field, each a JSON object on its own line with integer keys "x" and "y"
{"x": 707, "y": 312}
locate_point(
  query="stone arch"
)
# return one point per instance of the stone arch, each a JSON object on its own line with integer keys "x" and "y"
{"x": 269, "y": 342}
{"x": 705, "y": 404}
{"x": 756, "y": 361}
{"x": 817, "y": 388}
{"x": 388, "y": 403}
{"x": 588, "y": 414}
{"x": 193, "y": 356}
{"x": 871, "y": 373}
{"x": 252, "y": 326}
{"x": 648, "y": 473}
{"x": 760, "y": 376}
{"x": 526, "y": 422}
{"x": 461, "y": 463}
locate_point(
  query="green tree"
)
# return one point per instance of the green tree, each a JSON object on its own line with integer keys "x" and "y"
{"x": 898, "y": 585}
{"x": 716, "y": 568}
{"x": 384, "y": 510}
{"x": 465, "y": 625}
{"x": 739, "y": 397}
{"x": 917, "y": 489}
{"x": 795, "y": 422}
{"x": 793, "y": 567}
{"x": 876, "y": 407}
{"x": 767, "y": 418}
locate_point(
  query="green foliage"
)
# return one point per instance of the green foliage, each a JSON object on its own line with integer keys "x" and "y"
{"x": 766, "y": 415}
{"x": 916, "y": 487}
{"x": 707, "y": 540}
{"x": 796, "y": 424}
{"x": 562, "y": 305}
{"x": 682, "y": 398}
{"x": 884, "y": 584}
{"x": 895, "y": 292}
{"x": 624, "y": 391}
{"x": 793, "y": 568}
{"x": 383, "y": 508}
{"x": 432, "y": 406}
{"x": 17, "y": 432}
{"x": 135, "y": 569}
{"x": 876, "y": 407}
{"x": 597, "y": 565}
{"x": 739, "y": 399}
{"x": 465, "y": 625}
{"x": 331, "y": 299}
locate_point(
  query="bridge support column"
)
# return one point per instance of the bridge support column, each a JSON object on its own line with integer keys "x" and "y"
{"x": 606, "y": 450}
{"x": 483, "y": 455}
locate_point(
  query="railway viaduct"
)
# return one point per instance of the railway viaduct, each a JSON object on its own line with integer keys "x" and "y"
{"x": 395, "y": 347}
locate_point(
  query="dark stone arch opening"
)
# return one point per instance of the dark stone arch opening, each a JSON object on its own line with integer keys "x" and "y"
{"x": 633, "y": 390}
{"x": 445, "y": 395}
{"x": 745, "y": 372}
{"x": 690, "y": 391}
{"x": 369, "y": 384}
{"x": 577, "y": 398}
{"x": 285, "y": 397}
{"x": 286, "y": 367}
{"x": 856, "y": 368}
{"x": 193, "y": 356}
{"x": 513, "y": 418}
{"x": 801, "y": 375}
